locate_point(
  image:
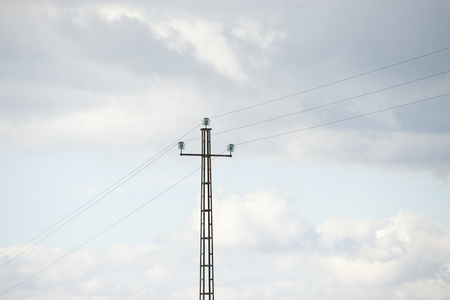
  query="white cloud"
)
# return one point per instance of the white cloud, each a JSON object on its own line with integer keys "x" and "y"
{"x": 433, "y": 289}
{"x": 253, "y": 31}
{"x": 115, "y": 12}
{"x": 108, "y": 120}
{"x": 206, "y": 38}
{"x": 202, "y": 37}
{"x": 259, "y": 219}
{"x": 261, "y": 243}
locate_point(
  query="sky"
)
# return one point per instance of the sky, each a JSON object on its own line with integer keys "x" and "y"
{"x": 339, "y": 186}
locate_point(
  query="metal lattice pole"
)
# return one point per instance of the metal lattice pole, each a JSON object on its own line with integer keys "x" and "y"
{"x": 206, "y": 222}
{"x": 206, "y": 214}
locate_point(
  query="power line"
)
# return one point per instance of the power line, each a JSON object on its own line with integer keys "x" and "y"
{"x": 116, "y": 186}
{"x": 106, "y": 229}
{"x": 91, "y": 202}
{"x": 343, "y": 120}
{"x": 140, "y": 168}
{"x": 100, "y": 233}
{"x": 327, "y": 104}
{"x": 332, "y": 83}
{"x": 185, "y": 177}
{"x": 136, "y": 171}
{"x": 332, "y": 103}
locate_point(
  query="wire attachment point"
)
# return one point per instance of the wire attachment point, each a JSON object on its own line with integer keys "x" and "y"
{"x": 181, "y": 146}
{"x": 230, "y": 148}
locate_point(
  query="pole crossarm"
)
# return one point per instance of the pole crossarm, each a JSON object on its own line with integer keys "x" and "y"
{"x": 206, "y": 155}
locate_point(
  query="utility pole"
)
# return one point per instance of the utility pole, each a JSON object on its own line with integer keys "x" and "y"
{"x": 206, "y": 213}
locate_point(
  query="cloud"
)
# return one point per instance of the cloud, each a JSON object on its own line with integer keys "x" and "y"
{"x": 263, "y": 250}
{"x": 109, "y": 72}
{"x": 111, "y": 120}
{"x": 208, "y": 43}
{"x": 132, "y": 75}
{"x": 252, "y": 31}
{"x": 424, "y": 289}
{"x": 394, "y": 149}
{"x": 88, "y": 72}
{"x": 115, "y": 12}
{"x": 241, "y": 221}
{"x": 203, "y": 39}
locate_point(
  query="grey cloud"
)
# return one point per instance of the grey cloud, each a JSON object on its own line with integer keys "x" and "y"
{"x": 127, "y": 44}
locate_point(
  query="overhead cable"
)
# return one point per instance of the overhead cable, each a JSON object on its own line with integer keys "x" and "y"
{"x": 74, "y": 214}
{"x": 185, "y": 177}
{"x": 137, "y": 170}
{"x": 98, "y": 234}
{"x": 343, "y": 120}
{"x": 331, "y": 103}
{"x": 332, "y": 83}
{"x": 105, "y": 230}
